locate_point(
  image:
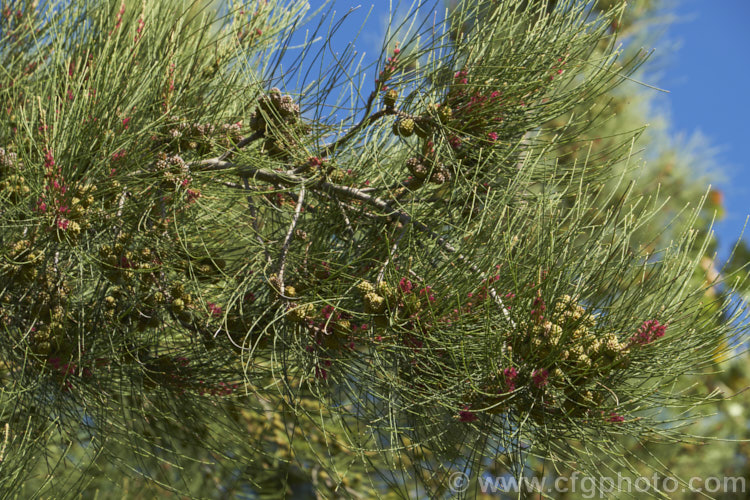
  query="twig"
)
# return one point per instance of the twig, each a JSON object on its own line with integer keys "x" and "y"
{"x": 288, "y": 239}
{"x": 418, "y": 277}
{"x": 346, "y": 217}
{"x": 5, "y": 441}
{"x": 254, "y": 215}
{"x": 331, "y": 148}
{"x": 390, "y": 255}
{"x": 121, "y": 202}
{"x": 617, "y": 401}
{"x": 407, "y": 219}
{"x": 367, "y": 120}
{"x": 120, "y": 206}
{"x": 289, "y": 179}
{"x": 525, "y": 140}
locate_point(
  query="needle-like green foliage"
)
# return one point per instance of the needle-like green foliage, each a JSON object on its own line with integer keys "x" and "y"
{"x": 211, "y": 263}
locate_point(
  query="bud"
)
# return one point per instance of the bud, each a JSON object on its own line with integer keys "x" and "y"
{"x": 390, "y": 98}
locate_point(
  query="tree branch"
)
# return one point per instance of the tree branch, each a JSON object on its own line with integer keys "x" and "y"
{"x": 290, "y": 179}
{"x": 288, "y": 239}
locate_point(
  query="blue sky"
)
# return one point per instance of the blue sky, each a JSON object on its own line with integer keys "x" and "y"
{"x": 703, "y": 61}
{"x": 707, "y": 77}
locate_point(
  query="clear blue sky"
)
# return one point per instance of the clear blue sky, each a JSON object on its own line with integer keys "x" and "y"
{"x": 706, "y": 73}
{"x": 708, "y": 77}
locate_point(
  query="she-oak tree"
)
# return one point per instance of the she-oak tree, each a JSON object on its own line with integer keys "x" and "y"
{"x": 190, "y": 253}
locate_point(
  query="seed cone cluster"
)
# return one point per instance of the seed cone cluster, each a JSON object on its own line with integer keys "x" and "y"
{"x": 202, "y": 137}
{"x": 559, "y": 358}
{"x": 399, "y": 301}
{"x": 12, "y": 183}
{"x": 278, "y": 118}
{"x": 423, "y": 169}
{"x": 45, "y": 305}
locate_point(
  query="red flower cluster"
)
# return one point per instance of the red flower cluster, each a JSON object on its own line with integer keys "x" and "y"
{"x": 118, "y": 21}
{"x": 315, "y": 161}
{"x": 510, "y": 375}
{"x": 64, "y": 369}
{"x": 466, "y": 415}
{"x": 214, "y": 309}
{"x": 405, "y": 285}
{"x": 614, "y": 418}
{"x": 139, "y": 29}
{"x": 477, "y": 109}
{"x": 557, "y": 70}
{"x": 391, "y": 64}
{"x": 649, "y": 331}
{"x": 220, "y": 389}
{"x": 53, "y": 198}
{"x": 427, "y": 291}
{"x": 537, "y": 313}
{"x": 540, "y": 378}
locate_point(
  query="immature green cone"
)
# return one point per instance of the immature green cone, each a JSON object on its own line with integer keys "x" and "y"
{"x": 444, "y": 113}
{"x": 365, "y": 287}
{"x": 412, "y": 303}
{"x": 405, "y": 127}
{"x": 300, "y": 312}
{"x": 178, "y": 305}
{"x": 390, "y": 98}
{"x": 374, "y": 303}
{"x": 288, "y": 109}
{"x": 16, "y": 187}
{"x": 611, "y": 345}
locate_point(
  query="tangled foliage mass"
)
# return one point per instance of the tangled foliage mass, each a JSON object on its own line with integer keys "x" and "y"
{"x": 191, "y": 256}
